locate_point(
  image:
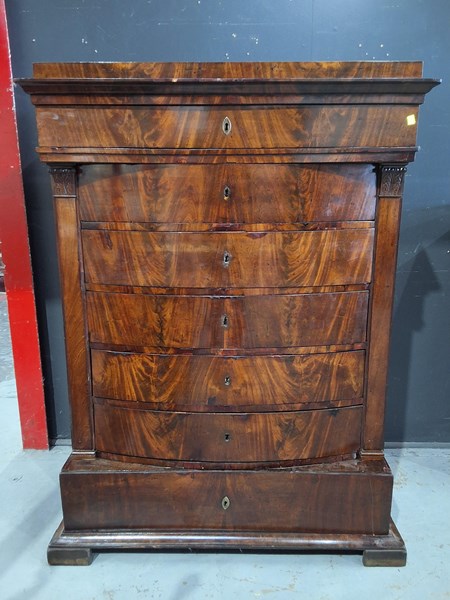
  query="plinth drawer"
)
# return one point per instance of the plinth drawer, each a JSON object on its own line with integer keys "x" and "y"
{"x": 215, "y": 260}
{"x": 344, "y": 497}
{"x": 227, "y": 193}
{"x": 226, "y": 437}
{"x": 278, "y": 321}
{"x": 211, "y": 383}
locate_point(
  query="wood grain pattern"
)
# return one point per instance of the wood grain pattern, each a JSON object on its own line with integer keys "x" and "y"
{"x": 238, "y": 259}
{"x": 223, "y": 291}
{"x": 228, "y": 331}
{"x": 205, "y": 383}
{"x": 252, "y": 322}
{"x": 194, "y": 194}
{"x": 69, "y": 255}
{"x": 234, "y": 71}
{"x": 366, "y": 155}
{"x": 388, "y": 222}
{"x": 201, "y": 127}
{"x": 223, "y": 227}
{"x": 275, "y": 500}
{"x": 226, "y": 437}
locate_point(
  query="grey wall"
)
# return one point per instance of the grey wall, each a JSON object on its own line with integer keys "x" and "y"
{"x": 267, "y": 30}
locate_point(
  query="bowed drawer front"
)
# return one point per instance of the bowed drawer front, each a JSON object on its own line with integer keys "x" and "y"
{"x": 227, "y": 241}
{"x": 215, "y": 260}
{"x": 227, "y": 193}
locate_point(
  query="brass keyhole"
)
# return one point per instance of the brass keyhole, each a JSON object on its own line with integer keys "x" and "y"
{"x": 225, "y": 503}
{"x": 225, "y": 321}
{"x": 227, "y": 380}
{"x": 226, "y": 126}
{"x": 226, "y": 258}
{"x": 226, "y": 192}
{"x": 227, "y": 437}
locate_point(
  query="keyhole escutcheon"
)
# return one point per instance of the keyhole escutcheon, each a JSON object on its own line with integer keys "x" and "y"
{"x": 226, "y": 192}
{"x": 226, "y": 259}
{"x": 225, "y": 502}
{"x": 226, "y": 126}
{"x": 225, "y": 321}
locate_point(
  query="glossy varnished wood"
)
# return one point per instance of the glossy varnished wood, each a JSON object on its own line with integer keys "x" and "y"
{"x": 124, "y": 428}
{"x": 388, "y": 222}
{"x": 236, "y": 259}
{"x": 251, "y": 322}
{"x": 238, "y": 287}
{"x": 201, "y": 127}
{"x": 385, "y": 550}
{"x": 183, "y": 500}
{"x": 241, "y": 83}
{"x": 194, "y": 71}
{"x": 205, "y": 383}
{"x": 195, "y": 194}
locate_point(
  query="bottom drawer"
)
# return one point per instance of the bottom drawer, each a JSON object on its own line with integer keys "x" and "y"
{"x": 226, "y": 437}
{"x": 345, "y": 497}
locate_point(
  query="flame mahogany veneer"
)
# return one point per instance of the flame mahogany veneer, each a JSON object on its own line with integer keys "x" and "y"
{"x": 227, "y": 240}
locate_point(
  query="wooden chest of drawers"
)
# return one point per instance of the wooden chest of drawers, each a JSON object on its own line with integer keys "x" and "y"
{"x": 227, "y": 242}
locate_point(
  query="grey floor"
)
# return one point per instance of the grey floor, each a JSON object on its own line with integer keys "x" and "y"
{"x": 30, "y": 512}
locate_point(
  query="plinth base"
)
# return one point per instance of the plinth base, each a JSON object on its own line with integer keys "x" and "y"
{"x": 78, "y": 548}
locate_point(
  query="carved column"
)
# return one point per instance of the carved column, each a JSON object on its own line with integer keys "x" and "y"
{"x": 64, "y": 185}
{"x": 390, "y": 189}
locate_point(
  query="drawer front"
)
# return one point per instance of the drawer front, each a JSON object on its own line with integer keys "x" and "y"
{"x": 227, "y": 193}
{"x": 314, "y": 499}
{"x": 254, "y": 127}
{"x": 225, "y": 437}
{"x": 206, "y": 383}
{"x": 216, "y": 260}
{"x": 237, "y": 322}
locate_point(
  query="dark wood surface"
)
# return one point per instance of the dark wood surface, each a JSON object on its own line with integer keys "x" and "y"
{"x": 230, "y": 277}
{"x": 77, "y": 547}
{"x": 204, "y": 383}
{"x": 183, "y": 500}
{"x": 390, "y": 188}
{"x": 231, "y": 259}
{"x": 127, "y": 429}
{"x": 239, "y": 322}
{"x": 201, "y": 127}
{"x": 281, "y": 71}
{"x": 194, "y": 194}
{"x": 71, "y": 273}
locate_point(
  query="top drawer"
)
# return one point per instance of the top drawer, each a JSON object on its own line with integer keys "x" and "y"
{"x": 227, "y": 127}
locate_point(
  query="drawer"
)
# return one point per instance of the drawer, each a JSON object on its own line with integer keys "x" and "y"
{"x": 314, "y": 498}
{"x": 309, "y": 499}
{"x": 226, "y": 437}
{"x": 252, "y": 127}
{"x": 239, "y": 259}
{"x": 211, "y": 383}
{"x": 140, "y": 320}
{"x": 227, "y": 193}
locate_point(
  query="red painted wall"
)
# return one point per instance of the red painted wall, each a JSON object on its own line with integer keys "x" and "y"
{"x": 16, "y": 257}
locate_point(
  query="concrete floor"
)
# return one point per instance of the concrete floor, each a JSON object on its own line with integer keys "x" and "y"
{"x": 30, "y": 512}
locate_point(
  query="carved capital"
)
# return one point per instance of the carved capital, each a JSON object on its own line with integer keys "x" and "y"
{"x": 63, "y": 181}
{"x": 391, "y": 181}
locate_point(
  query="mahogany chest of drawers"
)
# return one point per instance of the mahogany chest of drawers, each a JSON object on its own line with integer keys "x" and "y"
{"x": 227, "y": 244}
